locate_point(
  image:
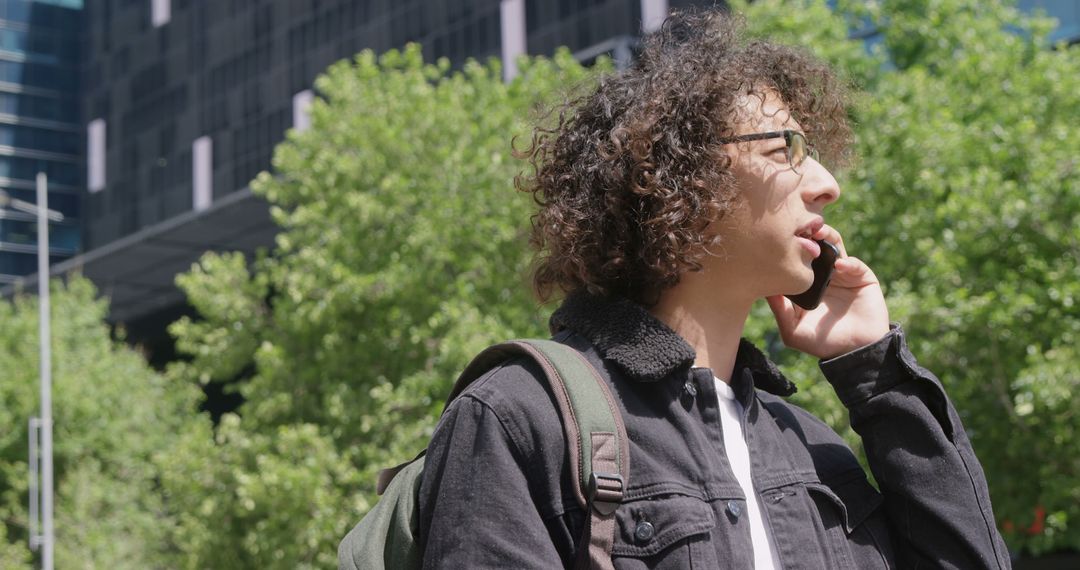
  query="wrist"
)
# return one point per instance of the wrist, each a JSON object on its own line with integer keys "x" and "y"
{"x": 869, "y": 370}
{"x": 864, "y": 343}
{"x": 864, "y": 339}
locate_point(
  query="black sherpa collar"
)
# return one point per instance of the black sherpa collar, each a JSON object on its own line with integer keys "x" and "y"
{"x": 645, "y": 348}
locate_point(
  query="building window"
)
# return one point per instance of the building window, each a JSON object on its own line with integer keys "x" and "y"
{"x": 95, "y": 160}
{"x": 202, "y": 173}
{"x": 160, "y": 12}
{"x": 301, "y": 110}
{"x": 653, "y": 14}
{"x": 512, "y": 23}
{"x": 26, "y": 169}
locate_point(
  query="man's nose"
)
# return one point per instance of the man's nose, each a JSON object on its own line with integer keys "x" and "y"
{"x": 819, "y": 186}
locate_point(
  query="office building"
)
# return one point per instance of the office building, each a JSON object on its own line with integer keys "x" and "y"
{"x": 181, "y": 103}
{"x": 39, "y": 129}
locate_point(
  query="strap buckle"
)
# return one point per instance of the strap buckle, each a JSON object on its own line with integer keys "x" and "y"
{"x": 605, "y": 491}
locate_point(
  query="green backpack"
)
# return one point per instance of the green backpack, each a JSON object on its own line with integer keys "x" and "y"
{"x": 385, "y": 539}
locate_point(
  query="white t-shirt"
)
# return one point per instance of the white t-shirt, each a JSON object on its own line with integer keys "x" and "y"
{"x": 738, "y": 455}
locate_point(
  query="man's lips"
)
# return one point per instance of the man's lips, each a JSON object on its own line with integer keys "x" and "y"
{"x": 810, "y": 246}
{"x": 805, "y": 235}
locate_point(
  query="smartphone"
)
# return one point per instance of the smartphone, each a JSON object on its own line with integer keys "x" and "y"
{"x": 823, "y": 270}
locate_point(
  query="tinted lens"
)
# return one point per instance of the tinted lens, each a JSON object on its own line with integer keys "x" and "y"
{"x": 798, "y": 149}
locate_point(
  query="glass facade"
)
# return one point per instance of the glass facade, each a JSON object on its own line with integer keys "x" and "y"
{"x": 1067, "y": 13}
{"x": 39, "y": 127}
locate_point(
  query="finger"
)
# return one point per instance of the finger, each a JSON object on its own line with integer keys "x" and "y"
{"x": 853, "y": 272}
{"x": 829, "y": 234}
{"x": 784, "y": 311}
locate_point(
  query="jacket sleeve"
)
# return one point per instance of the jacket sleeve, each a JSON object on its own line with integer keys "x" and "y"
{"x": 476, "y": 510}
{"x": 936, "y": 498}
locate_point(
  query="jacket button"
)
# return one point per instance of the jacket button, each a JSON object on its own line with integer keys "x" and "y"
{"x": 691, "y": 390}
{"x": 734, "y": 509}
{"x": 644, "y": 531}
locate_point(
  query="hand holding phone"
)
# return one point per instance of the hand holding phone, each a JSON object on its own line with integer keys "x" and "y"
{"x": 823, "y": 270}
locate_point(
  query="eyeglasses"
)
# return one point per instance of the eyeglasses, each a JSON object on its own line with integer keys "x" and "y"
{"x": 798, "y": 148}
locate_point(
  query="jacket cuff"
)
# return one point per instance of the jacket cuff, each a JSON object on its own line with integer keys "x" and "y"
{"x": 870, "y": 370}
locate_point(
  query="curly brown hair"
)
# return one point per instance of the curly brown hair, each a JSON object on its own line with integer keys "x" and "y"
{"x": 632, "y": 174}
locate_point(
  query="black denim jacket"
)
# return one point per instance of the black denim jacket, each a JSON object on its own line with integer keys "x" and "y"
{"x": 497, "y": 490}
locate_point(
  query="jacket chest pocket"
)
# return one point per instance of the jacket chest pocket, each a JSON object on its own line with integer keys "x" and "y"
{"x": 848, "y": 530}
{"x": 668, "y": 532}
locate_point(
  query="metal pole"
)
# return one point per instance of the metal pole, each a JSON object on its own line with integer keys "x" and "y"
{"x": 35, "y": 495}
{"x": 47, "y": 538}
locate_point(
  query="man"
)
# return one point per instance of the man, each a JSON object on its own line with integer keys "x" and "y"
{"x": 672, "y": 197}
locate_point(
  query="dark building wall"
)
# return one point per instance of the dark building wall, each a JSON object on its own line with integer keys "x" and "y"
{"x": 579, "y": 25}
{"x": 229, "y": 70}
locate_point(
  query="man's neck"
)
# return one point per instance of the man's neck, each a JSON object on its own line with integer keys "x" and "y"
{"x": 711, "y": 322}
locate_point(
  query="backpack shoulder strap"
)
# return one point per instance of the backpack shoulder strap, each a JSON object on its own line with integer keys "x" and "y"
{"x": 595, "y": 433}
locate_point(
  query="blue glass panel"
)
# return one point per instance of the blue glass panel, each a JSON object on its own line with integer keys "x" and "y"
{"x": 39, "y": 75}
{"x": 12, "y": 263}
{"x": 10, "y": 71}
{"x": 67, "y": 204}
{"x": 12, "y": 40}
{"x": 1067, "y": 13}
{"x": 39, "y": 139}
{"x": 18, "y": 10}
{"x": 76, "y": 4}
{"x": 38, "y": 107}
{"x": 19, "y": 168}
{"x": 25, "y": 233}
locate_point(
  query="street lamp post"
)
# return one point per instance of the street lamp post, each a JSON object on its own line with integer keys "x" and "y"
{"x": 44, "y": 422}
{"x": 44, "y": 335}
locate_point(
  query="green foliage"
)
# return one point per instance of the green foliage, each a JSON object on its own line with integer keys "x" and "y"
{"x": 112, "y": 414}
{"x": 966, "y": 202}
{"x": 403, "y": 253}
{"x": 258, "y": 500}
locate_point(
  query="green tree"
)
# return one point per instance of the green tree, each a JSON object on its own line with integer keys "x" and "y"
{"x": 965, "y": 201}
{"x": 402, "y": 255}
{"x": 112, "y": 414}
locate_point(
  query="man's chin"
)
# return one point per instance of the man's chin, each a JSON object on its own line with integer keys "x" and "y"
{"x": 793, "y": 279}
{"x": 801, "y": 282}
